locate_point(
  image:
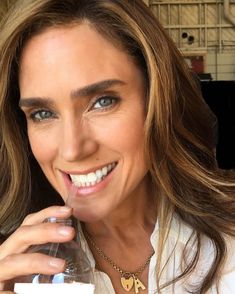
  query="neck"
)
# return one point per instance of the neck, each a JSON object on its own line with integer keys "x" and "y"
{"x": 132, "y": 219}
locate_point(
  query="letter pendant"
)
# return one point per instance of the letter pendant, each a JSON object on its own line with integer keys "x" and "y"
{"x": 127, "y": 281}
{"x": 138, "y": 284}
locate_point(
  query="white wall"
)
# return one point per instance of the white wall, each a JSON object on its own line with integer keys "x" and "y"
{"x": 214, "y": 35}
{"x": 221, "y": 65}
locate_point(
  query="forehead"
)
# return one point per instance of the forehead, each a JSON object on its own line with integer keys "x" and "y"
{"x": 81, "y": 37}
{"x": 77, "y": 50}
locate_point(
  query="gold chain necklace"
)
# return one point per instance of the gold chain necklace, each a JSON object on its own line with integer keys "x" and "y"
{"x": 128, "y": 279}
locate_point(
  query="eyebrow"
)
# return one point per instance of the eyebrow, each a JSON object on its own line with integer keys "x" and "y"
{"x": 86, "y": 91}
{"x": 95, "y": 88}
{"x": 35, "y": 102}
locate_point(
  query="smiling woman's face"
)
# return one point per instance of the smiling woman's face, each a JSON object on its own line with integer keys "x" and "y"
{"x": 83, "y": 99}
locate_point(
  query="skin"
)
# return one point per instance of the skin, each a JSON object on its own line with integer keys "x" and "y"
{"x": 72, "y": 131}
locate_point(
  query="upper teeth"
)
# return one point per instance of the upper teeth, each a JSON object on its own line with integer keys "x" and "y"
{"x": 91, "y": 178}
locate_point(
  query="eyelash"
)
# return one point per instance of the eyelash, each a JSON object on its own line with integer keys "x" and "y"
{"x": 40, "y": 111}
{"x": 112, "y": 99}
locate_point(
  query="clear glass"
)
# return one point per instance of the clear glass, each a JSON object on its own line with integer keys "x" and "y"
{"x": 78, "y": 268}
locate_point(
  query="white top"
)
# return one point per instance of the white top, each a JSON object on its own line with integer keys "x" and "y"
{"x": 178, "y": 236}
{"x": 71, "y": 288}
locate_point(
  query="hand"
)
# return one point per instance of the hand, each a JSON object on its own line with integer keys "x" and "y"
{"x": 15, "y": 261}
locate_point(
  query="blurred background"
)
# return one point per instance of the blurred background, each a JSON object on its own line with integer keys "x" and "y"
{"x": 204, "y": 31}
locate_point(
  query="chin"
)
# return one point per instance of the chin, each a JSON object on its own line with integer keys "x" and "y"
{"x": 88, "y": 216}
{"x": 90, "y": 210}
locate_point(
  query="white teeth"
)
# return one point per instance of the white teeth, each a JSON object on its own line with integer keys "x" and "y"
{"x": 93, "y": 178}
{"x": 104, "y": 170}
{"x": 82, "y": 179}
{"x": 99, "y": 174}
{"x": 109, "y": 167}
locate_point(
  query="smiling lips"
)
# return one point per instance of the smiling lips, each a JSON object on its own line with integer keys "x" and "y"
{"x": 92, "y": 178}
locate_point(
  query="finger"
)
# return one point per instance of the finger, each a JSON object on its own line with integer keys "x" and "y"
{"x": 30, "y": 263}
{"x": 42, "y": 233}
{"x": 52, "y": 211}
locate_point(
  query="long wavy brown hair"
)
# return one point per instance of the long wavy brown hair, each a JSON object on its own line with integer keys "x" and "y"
{"x": 178, "y": 128}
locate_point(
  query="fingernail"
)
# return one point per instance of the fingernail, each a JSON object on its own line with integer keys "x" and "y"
{"x": 56, "y": 263}
{"x": 65, "y": 231}
{"x": 64, "y": 209}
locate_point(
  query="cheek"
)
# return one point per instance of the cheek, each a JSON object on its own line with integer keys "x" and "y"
{"x": 123, "y": 133}
{"x": 42, "y": 146}
{"x": 130, "y": 141}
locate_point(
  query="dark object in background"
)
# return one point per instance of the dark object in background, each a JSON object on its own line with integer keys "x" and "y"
{"x": 204, "y": 77}
{"x": 220, "y": 96}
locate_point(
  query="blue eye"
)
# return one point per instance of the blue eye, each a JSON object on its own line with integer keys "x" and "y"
{"x": 40, "y": 115}
{"x": 105, "y": 102}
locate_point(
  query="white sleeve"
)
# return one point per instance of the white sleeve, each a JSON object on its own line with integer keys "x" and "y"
{"x": 227, "y": 284}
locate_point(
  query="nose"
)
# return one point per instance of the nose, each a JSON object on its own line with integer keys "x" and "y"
{"x": 77, "y": 141}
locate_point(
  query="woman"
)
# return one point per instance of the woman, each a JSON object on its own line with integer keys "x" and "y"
{"x": 96, "y": 93}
